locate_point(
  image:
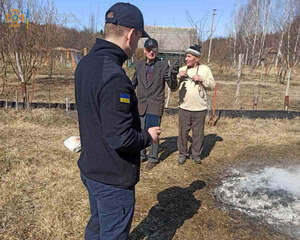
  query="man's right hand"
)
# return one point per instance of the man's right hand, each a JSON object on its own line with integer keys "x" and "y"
{"x": 154, "y": 132}
{"x": 182, "y": 74}
{"x": 175, "y": 68}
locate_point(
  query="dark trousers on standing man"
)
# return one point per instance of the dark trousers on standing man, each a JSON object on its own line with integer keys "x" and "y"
{"x": 191, "y": 120}
{"x": 147, "y": 121}
{"x": 111, "y": 211}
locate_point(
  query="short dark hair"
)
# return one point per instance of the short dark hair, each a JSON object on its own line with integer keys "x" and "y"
{"x": 113, "y": 30}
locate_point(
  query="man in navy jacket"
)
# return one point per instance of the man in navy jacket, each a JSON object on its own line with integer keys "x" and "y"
{"x": 109, "y": 125}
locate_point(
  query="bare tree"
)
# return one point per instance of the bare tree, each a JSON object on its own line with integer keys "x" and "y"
{"x": 237, "y": 93}
{"x": 25, "y": 50}
{"x": 296, "y": 54}
{"x": 211, "y": 35}
{"x": 282, "y": 29}
{"x": 245, "y": 30}
{"x": 3, "y": 73}
{"x": 236, "y": 30}
{"x": 3, "y": 62}
{"x": 265, "y": 24}
{"x": 201, "y": 26}
{"x": 289, "y": 64}
{"x": 256, "y": 31}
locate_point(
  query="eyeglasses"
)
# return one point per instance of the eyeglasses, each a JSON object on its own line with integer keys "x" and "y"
{"x": 151, "y": 49}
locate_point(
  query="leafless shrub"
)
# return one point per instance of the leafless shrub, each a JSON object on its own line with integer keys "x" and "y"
{"x": 24, "y": 48}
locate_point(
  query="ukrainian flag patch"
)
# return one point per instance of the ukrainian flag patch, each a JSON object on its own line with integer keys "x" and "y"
{"x": 124, "y": 98}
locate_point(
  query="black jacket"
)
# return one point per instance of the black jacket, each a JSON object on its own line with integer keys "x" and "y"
{"x": 151, "y": 93}
{"x": 109, "y": 125}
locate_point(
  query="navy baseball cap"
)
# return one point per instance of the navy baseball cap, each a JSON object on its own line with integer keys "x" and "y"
{"x": 151, "y": 43}
{"x": 127, "y": 15}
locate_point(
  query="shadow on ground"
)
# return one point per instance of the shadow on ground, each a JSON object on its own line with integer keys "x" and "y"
{"x": 169, "y": 145}
{"x": 209, "y": 143}
{"x": 175, "y": 205}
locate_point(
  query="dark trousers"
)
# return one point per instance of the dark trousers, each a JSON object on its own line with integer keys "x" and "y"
{"x": 111, "y": 211}
{"x": 191, "y": 120}
{"x": 147, "y": 121}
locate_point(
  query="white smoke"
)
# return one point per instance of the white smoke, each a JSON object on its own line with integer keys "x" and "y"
{"x": 274, "y": 179}
{"x": 271, "y": 193}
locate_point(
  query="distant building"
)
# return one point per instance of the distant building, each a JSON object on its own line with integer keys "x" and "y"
{"x": 171, "y": 40}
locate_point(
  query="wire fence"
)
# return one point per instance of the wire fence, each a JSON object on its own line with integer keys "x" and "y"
{"x": 255, "y": 92}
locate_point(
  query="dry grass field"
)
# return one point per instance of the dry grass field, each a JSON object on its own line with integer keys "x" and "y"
{"x": 269, "y": 91}
{"x": 42, "y": 196}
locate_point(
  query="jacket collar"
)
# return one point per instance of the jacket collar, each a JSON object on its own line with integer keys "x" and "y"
{"x": 151, "y": 63}
{"x": 106, "y": 48}
{"x": 196, "y": 66}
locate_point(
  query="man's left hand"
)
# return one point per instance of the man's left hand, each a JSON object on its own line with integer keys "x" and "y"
{"x": 197, "y": 78}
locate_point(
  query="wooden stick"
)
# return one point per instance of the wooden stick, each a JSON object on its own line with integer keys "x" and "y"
{"x": 67, "y": 104}
{"x": 169, "y": 92}
{"x": 16, "y": 99}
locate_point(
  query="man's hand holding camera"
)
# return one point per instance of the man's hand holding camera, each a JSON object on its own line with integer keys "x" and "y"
{"x": 197, "y": 79}
{"x": 182, "y": 75}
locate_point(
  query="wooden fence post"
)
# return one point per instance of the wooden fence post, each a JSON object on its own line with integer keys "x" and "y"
{"x": 16, "y": 99}
{"x": 67, "y": 104}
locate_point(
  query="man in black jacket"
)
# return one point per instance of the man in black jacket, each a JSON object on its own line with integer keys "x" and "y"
{"x": 109, "y": 124}
{"x": 149, "y": 79}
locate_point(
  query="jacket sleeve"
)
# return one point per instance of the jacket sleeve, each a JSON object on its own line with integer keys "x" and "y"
{"x": 134, "y": 79}
{"x": 170, "y": 76}
{"x": 208, "y": 82}
{"x": 119, "y": 116}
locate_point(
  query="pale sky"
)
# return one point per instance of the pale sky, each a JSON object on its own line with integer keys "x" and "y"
{"x": 172, "y": 13}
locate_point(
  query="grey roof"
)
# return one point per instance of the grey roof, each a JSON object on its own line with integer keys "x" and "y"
{"x": 171, "y": 39}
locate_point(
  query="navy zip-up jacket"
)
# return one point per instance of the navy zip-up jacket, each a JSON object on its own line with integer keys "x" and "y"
{"x": 109, "y": 124}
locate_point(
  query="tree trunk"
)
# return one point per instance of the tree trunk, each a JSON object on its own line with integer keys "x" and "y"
{"x": 286, "y": 104}
{"x": 237, "y": 93}
{"x": 246, "y": 57}
{"x": 286, "y": 99}
{"x": 256, "y": 30}
{"x": 211, "y": 34}
{"x": 288, "y": 82}
{"x": 20, "y": 72}
{"x": 296, "y": 44}
{"x": 264, "y": 33}
{"x": 234, "y": 50}
{"x": 23, "y": 82}
{"x": 282, "y": 34}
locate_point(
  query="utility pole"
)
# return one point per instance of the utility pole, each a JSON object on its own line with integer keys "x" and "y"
{"x": 211, "y": 33}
